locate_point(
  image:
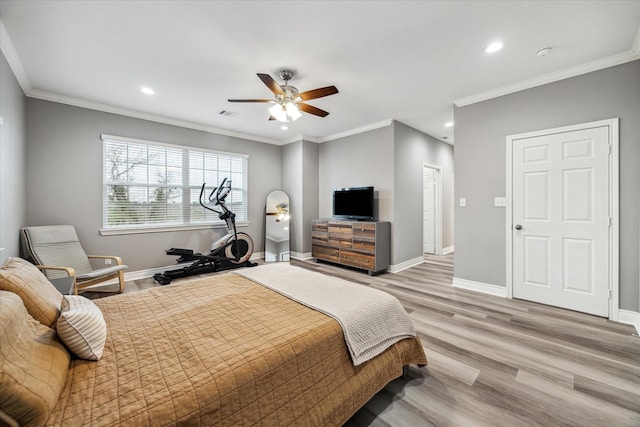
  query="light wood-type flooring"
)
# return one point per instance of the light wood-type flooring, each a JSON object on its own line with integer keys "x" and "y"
{"x": 498, "y": 362}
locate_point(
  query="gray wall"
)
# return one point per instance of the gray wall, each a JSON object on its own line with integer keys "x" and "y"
{"x": 361, "y": 160}
{"x": 310, "y": 186}
{"x": 292, "y": 185}
{"x": 64, "y": 178}
{"x": 13, "y": 147}
{"x": 300, "y": 182}
{"x": 480, "y": 136}
{"x": 391, "y": 160}
{"x": 412, "y": 149}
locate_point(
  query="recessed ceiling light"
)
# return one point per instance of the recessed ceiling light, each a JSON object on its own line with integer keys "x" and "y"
{"x": 544, "y": 51}
{"x": 147, "y": 90}
{"x": 494, "y": 47}
{"x": 448, "y": 124}
{"x": 284, "y": 127}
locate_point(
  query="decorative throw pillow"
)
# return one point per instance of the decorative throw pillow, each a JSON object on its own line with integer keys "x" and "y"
{"x": 33, "y": 365}
{"x": 40, "y": 297}
{"x": 81, "y": 327}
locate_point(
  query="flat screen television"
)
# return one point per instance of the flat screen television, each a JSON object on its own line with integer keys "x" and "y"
{"x": 353, "y": 203}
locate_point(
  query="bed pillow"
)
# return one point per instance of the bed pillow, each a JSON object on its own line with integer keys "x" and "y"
{"x": 81, "y": 327}
{"x": 40, "y": 297}
{"x": 33, "y": 364}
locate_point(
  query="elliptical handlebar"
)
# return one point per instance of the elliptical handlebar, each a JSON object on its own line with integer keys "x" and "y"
{"x": 221, "y": 193}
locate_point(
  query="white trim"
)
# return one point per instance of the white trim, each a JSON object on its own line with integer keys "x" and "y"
{"x": 354, "y": 131}
{"x": 485, "y": 288}
{"x": 566, "y": 73}
{"x": 98, "y": 106}
{"x": 636, "y": 43}
{"x": 114, "y": 138}
{"x": 145, "y": 274}
{"x": 7, "y": 47}
{"x": 300, "y": 255}
{"x": 438, "y": 209}
{"x": 630, "y": 318}
{"x": 169, "y": 228}
{"x": 447, "y": 250}
{"x": 396, "y": 268}
{"x": 614, "y": 202}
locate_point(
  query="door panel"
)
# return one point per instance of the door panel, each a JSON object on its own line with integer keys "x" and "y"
{"x": 428, "y": 211}
{"x": 561, "y": 201}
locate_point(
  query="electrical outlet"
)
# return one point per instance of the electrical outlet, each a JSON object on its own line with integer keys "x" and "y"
{"x": 463, "y": 202}
{"x": 500, "y": 202}
{"x": 108, "y": 261}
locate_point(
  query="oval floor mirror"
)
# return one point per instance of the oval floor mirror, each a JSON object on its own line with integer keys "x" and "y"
{"x": 276, "y": 241}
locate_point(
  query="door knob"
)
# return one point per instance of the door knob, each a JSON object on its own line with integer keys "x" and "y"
{"x": 518, "y": 227}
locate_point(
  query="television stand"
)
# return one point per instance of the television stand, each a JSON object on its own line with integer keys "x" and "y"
{"x": 361, "y": 244}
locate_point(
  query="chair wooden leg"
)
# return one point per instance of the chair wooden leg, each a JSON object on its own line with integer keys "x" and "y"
{"x": 121, "y": 280}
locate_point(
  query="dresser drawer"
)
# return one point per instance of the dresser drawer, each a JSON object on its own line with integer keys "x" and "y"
{"x": 366, "y": 229}
{"x": 340, "y": 228}
{"x": 326, "y": 253}
{"x": 364, "y": 245}
{"x": 339, "y": 241}
{"x": 320, "y": 226}
{"x": 357, "y": 259}
{"x": 319, "y": 237}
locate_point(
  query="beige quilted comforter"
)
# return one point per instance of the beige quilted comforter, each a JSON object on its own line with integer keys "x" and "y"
{"x": 222, "y": 351}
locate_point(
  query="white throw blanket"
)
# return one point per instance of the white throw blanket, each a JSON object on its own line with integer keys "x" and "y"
{"x": 372, "y": 320}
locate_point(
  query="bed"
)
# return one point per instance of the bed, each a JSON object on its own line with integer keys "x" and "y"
{"x": 215, "y": 351}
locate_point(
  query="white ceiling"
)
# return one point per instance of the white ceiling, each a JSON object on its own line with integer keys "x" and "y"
{"x": 404, "y": 60}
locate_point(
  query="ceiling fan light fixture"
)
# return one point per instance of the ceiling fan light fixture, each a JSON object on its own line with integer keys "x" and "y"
{"x": 292, "y": 111}
{"x": 285, "y": 111}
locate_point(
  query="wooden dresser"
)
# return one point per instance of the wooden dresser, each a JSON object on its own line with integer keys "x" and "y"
{"x": 360, "y": 244}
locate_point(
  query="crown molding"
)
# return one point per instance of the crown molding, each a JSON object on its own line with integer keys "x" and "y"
{"x": 48, "y": 96}
{"x": 596, "y": 65}
{"x": 9, "y": 51}
{"x": 354, "y": 131}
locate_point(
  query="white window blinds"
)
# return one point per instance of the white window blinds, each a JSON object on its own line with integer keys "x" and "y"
{"x": 155, "y": 185}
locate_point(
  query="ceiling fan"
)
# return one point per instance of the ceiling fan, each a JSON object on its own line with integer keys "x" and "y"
{"x": 288, "y": 102}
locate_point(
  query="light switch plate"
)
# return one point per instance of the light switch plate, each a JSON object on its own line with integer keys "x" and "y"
{"x": 463, "y": 202}
{"x": 500, "y": 202}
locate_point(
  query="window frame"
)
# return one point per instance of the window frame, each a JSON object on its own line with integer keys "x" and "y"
{"x": 185, "y": 186}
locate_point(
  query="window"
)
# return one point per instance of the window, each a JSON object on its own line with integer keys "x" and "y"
{"x": 151, "y": 185}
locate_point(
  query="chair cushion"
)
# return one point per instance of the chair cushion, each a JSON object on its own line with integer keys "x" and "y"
{"x": 33, "y": 364}
{"x": 56, "y": 245}
{"x": 40, "y": 297}
{"x": 81, "y": 327}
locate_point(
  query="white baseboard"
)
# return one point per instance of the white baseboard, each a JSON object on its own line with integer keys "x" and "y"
{"x": 447, "y": 250}
{"x": 301, "y": 255}
{"x": 630, "y": 318}
{"x": 485, "y": 288}
{"x": 396, "y": 268}
{"x": 143, "y": 274}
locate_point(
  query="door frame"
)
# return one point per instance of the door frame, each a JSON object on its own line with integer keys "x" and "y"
{"x": 614, "y": 186}
{"x": 437, "y": 199}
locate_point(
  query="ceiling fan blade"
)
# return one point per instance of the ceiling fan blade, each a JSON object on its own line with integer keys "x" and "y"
{"x": 271, "y": 118}
{"x": 271, "y": 84}
{"x": 250, "y": 100}
{"x": 312, "y": 110}
{"x": 318, "y": 93}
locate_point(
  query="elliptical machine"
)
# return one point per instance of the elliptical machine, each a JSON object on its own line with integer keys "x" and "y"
{"x": 232, "y": 250}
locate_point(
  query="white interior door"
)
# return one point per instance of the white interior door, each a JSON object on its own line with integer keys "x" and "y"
{"x": 561, "y": 219}
{"x": 428, "y": 210}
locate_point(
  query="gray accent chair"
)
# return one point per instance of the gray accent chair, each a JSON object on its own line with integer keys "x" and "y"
{"x": 57, "y": 251}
